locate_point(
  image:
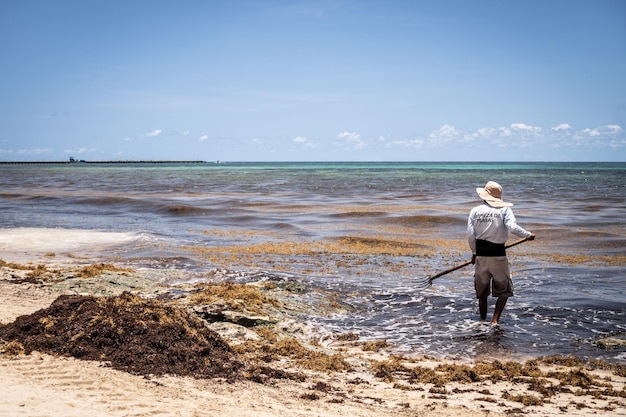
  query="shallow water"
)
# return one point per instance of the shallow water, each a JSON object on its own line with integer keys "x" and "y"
{"x": 443, "y": 320}
{"x": 366, "y": 232}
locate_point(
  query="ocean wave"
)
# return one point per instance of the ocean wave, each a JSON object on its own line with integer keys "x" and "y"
{"x": 427, "y": 219}
{"x": 358, "y": 214}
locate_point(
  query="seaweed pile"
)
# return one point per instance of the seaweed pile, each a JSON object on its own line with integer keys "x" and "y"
{"x": 129, "y": 333}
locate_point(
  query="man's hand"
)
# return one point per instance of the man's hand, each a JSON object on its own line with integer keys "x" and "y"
{"x": 531, "y": 237}
{"x": 473, "y": 259}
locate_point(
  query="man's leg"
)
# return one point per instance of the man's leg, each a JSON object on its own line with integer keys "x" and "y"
{"x": 482, "y": 283}
{"x": 499, "y": 308}
{"x": 502, "y": 284}
{"x": 482, "y": 306}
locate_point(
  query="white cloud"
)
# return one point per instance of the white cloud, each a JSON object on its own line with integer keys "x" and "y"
{"x": 485, "y": 132}
{"x": 591, "y": 132}
{"x": 526, "y": 128}
{"x": 305, "y": 142}
{"x": 350, "y": 136}
{"x": 153, "y": 134}
{"x": 617, "y": 129}
{"x": 491, "y": 132}
{"x": 517, "y": 136}
{"x": 203, "y": 138}
{"x": 601, "y": 135}
{"x": 562, "y": 126}
{"x": 186, "y": 133}
{"x": 448, "y": 131}
{"x": 353, "y": 138}
{"x": 445, "y": 134}
{"x": 408, "y": 143}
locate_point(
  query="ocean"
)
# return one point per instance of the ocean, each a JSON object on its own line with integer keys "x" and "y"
{"x": 364, "y": 234}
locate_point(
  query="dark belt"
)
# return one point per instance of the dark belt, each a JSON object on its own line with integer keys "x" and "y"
{"x": 486, "y": 248}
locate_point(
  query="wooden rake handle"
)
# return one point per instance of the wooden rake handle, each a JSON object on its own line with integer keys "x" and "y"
{"x": 454, "y": 268}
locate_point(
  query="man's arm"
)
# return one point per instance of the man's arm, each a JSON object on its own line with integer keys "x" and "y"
{"x": 471, "y": 233}
{"x": 516, "y": 229}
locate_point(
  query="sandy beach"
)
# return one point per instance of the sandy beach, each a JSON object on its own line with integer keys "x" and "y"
{"x": 375, "y": 383}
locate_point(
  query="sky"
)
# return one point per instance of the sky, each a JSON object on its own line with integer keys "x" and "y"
{"x": 313, "y": 80}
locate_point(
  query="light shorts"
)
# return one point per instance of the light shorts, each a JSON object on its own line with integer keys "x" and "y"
{"x": 496, "y": 267}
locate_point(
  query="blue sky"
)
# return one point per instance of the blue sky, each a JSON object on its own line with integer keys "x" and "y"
{"x": 319, "y": 80}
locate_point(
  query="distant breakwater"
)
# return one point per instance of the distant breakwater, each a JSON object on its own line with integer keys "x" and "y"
{"x": 97, "y": 162}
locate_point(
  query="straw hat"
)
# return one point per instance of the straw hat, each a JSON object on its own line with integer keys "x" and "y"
{"x": 492, "y": 194}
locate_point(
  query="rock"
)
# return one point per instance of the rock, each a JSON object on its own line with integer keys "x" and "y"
{"x": 217, "y": 313}
{"x": 234, "y": 333}
{"x": 246, "y": 320}
{"x": 612, "y": 342}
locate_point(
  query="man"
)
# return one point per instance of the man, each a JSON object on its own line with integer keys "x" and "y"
{"x": 488, "y": 229}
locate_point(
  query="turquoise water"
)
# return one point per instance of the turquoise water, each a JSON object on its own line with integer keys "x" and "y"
{"x": 579, "y": 208}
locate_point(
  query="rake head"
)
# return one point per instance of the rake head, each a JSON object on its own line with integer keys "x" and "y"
{"x": 422, "y": 283}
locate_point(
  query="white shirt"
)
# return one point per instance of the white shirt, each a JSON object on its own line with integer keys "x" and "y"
{"x": 492, "y": 224}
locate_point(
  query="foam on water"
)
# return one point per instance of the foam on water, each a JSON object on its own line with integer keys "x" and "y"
{"x": 24, "y": 243}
